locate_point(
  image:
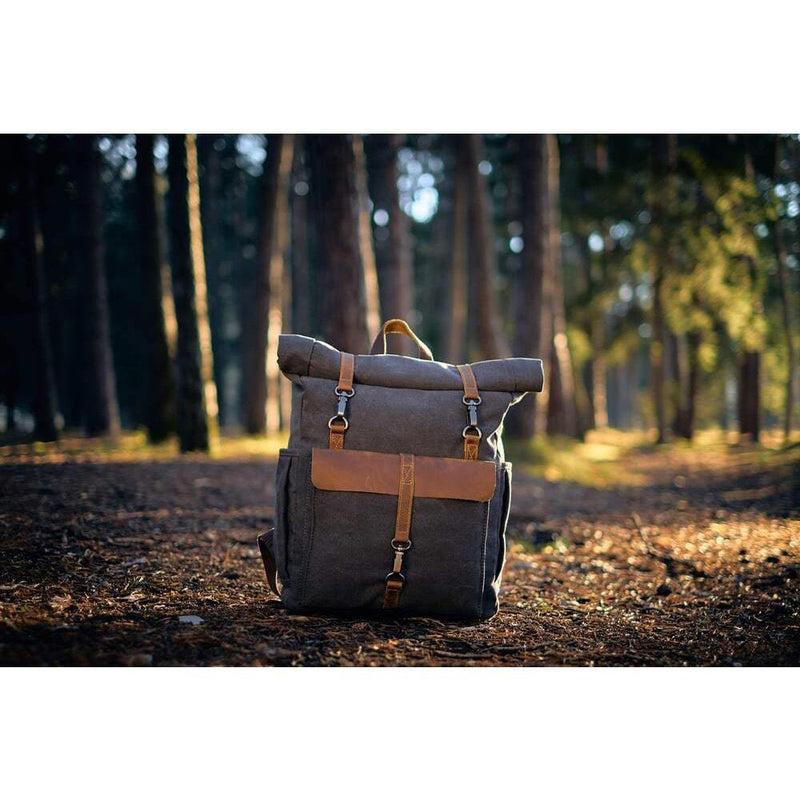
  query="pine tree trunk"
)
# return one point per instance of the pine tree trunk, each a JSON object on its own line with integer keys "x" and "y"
{"x": 44, "y": 385}
{"x": 750, "y": 396}
{"x": 534, "y": 333}
{"x": 393, "y": 250}
{"x": 562, "y": 411}
{"x": 301, "y": 283}
{"x": 279, "y": 287}
{"x": 664, "y": 156}
{"x": 786, "y": 308}
{"x": 160, "y": 418}
{"x": 457, "y": 282}
{"x": 193, "y": 415}
{"x": 365, "y": 244}
{"x": 254, "y": 395}
{"x": 681, "y": 375}
{"x": 482, "y": 257}
{"x": 334, "y": 206}
{"x": 214, "y": 257}
{"x": 100, "y": 391}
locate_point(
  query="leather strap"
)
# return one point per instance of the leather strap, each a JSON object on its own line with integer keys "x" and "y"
{"x": 472, "y": 399}
{"x": 400, "y": 326}
{"x": 401, "y": 543}
{"x": 344, "y": 389}
{"x": 265, "y": 547}
{"x": 470, "y": 384}
{"x": 471, "y": 445}
{"x": 347, "y": 366}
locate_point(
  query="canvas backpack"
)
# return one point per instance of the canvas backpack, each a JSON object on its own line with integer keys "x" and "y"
{"x": 394, "y": 492}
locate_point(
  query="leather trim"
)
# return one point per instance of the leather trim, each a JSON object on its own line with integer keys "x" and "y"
{"x": 347, "y": 365}
{"x": 470, "y": 384}
{"x": 379, "y": 473}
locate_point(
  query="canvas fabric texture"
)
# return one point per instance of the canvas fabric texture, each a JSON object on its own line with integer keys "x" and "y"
{"x": 334, "y": 549}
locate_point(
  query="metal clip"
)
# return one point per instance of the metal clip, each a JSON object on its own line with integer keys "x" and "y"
{"x": 342, "y": 406}
{"x": 472, "y": 411}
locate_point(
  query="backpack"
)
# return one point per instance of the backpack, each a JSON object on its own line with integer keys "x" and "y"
{"x": 394, "y": 492}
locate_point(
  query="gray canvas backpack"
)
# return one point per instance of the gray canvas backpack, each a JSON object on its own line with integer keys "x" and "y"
{"x": 393, "y": 492}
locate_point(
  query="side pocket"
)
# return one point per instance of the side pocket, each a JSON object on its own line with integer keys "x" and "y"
{"x": 282, "y": 514}
{"x": 506, "y": 513}
{"x": 499, "y": 510}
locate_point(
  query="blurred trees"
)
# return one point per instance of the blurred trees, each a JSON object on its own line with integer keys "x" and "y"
{"x": 656, "y": 275}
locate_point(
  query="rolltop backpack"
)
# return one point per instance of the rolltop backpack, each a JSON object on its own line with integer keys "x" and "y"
{"x": 394, "y": 492}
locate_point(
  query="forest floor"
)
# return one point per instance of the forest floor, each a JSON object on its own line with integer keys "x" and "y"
{"x": 621, "y": 554}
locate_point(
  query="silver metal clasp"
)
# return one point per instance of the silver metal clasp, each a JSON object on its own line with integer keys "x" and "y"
{"x": 472, "y": 412}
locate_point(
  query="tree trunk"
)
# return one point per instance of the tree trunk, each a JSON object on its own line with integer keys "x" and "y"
{"x": 534, "y": 334}
{"x": 664, "y": 158}
{"x": 562, "y": 410}
{"x": 750, "y": 396}
{"x": 365, "y": 243}
{"x": 786, "y": 307}
{"x": 254, "y": 395}
{"x": 214, "y": 256}
{"x": 482, "y": 257}
{"x": 301, "y": 283}
{"x": 160, "y": 418}
{"x": 393, "y": 240}
{"x": 188, "y": 285}
{"x": 457, "y": 283}
{"x": 100, "y": 390}
{"x": 279, "y": 288}
{"x": 334, "y": 206}
{"x": 44, "y": 385}
{"x": 681, "y": 375}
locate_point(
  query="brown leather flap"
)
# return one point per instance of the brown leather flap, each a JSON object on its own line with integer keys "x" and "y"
{"x": 379, "y": 473}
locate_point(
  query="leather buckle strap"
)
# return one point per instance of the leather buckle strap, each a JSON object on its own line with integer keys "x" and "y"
{"x": 338, "y": 423}
{"x": 471, "y": 434}
{"x": 401, "y": 543}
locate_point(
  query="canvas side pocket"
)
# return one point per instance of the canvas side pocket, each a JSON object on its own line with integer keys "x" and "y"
{"x": 292, "y": 518}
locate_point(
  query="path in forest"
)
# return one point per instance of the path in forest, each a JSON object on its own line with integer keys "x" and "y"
{"x": 696, "y": 561}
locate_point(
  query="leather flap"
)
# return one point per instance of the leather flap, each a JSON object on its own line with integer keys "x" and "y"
{"x": 379, "y": 473}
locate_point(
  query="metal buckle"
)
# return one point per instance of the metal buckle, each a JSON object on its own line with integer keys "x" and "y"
{"x": 342, "y": 393}
{"x": 400, "y": 547}
{"x": 342, "y": 419}
{"x": 398, "y": 576}
{"x": 475, "y": 428}
{"x": 472, "y": 411}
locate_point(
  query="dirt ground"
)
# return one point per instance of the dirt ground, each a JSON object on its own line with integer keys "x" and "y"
{"x": 693, "y": 560}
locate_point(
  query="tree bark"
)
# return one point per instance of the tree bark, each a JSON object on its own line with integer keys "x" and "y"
{"x": 254, "y": 395}
{"x": 365, "y": 243}
{"x": 534, "y": 334}
{"x": 750, "y": 371}
{"x": 457, "y": 283}
{"x": 393, "y": 252}
{"x": 100, "y": 390}
{"x": 188, "y": 285}
{"x": 334, "y": 207}
{"x": 482, "y": 257}
{"x": 279, "y": 285}
{"x": 160, "y": 417}
{"x": 786, "y": 308}
{"x": 301, "y": 282}
{"x": 750, "y": 396}
{"x": 664, "y": 157}
{"x": 562, "y": 410}
{"x": 44, "y": 385}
